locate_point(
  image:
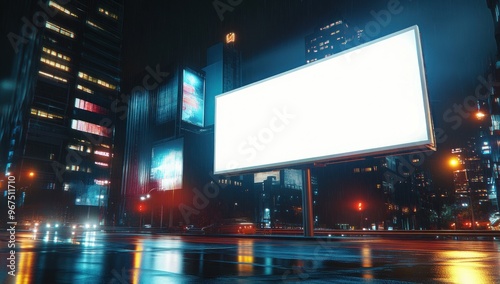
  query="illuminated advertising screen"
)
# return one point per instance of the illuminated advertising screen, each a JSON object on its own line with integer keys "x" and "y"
{"x": 167, "y": 165}
{"x": 193, "y": 98}
{"x": 369, "y": 100}
{"x": 90, "y": 195}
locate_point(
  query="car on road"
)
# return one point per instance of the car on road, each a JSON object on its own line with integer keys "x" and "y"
{"x": 231, "y": 226}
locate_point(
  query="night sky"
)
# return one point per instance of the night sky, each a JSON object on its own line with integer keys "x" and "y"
{"x": 457, "y": 38}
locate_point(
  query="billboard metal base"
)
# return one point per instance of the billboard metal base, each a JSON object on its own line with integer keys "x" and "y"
{"x": 307, "y": 206}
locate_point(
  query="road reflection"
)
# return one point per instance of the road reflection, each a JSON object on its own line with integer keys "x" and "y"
{"x": 466, "y": 267}
{"x": 98, "y": 257}
{"x": 26, "y": 263}
{"x": 136, "y": 269}
{"x": 245, "y": 257}
{"x": 366, "y": 261}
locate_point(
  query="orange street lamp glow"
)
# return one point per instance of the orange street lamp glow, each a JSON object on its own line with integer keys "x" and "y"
{"x": 480, "y": 115}
{"x": 453, "y": 162}
{"x": 31, "y": 174}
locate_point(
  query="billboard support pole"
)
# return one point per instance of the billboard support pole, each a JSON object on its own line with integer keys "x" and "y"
{"x": 307, "y": 205}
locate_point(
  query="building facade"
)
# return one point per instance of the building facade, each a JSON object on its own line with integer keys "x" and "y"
{"x": 62, "y": 150}
{"x": 176, "y": 119}
{"x": 329, "y": 39}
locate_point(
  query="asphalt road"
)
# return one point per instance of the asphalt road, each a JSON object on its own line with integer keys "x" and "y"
{"x": 99, "y": 257}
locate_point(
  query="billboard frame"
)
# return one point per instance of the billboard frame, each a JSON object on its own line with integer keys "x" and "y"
{"x": 429, "y": 144}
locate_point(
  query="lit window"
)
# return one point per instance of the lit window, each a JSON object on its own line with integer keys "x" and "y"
{"x": 52, "y": 76}
{"x": 101, "y": 153}
{"x": 88, "y": 106}
{"x": 55, "y": 53}
{"x": 96, "y": 81}
{"x": 85, "y": 89}
{"x": 54, "y": 64}
{"x": 61, "y": 8}
{"x": 76, "y": 147}
{"x": 101, "y": 182}
{"x": 90, "y": 128}
{"x": 60, "y": 30}
{"x": 44, "y": 114}
{"x": 94, "y": 25}
{"x": 107, "y": 13}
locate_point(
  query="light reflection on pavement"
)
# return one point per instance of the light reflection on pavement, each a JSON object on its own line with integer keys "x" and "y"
{"x": 98, "y": 257}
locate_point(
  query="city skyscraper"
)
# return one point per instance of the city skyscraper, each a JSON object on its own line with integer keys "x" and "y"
{"x": 223, "y": 71}
{"x": 329, "y": 39}
{"x": 471, "y": 178}
{"x": 61, "y": 149}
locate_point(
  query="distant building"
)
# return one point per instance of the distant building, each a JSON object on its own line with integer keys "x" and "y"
{"x": 329, "y": 39}
{"x": 169, "y": 146}
{"x": 166, "y": 143}
{"x": 471, "y": 178}
{"x": 493, "y": 108}
{"x": 64, "y": 125}
{"x": 279, "y": 197}
{"x": 223, "y": 73}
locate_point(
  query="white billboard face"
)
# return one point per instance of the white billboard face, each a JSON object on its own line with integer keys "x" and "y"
{"x": 365, "y": 101}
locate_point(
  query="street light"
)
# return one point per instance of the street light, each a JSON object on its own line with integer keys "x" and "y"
{"x": 454, "y": 162}
{"x": 480, "y": 115}
{"x": 147, "y": 196}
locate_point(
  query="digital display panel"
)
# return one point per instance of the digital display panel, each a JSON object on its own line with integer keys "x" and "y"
{"x": 91, "y": 128}
{"x": 167, "y": 165}
{"x": 90, "y": 195}
{"x": 369, "y": 100}
{"x": 193, "y": 98}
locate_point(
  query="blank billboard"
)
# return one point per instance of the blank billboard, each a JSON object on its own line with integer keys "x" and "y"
{"x": 365, "y": 101}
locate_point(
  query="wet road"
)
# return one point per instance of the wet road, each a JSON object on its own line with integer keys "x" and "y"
{"x": 98, "y": 257}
